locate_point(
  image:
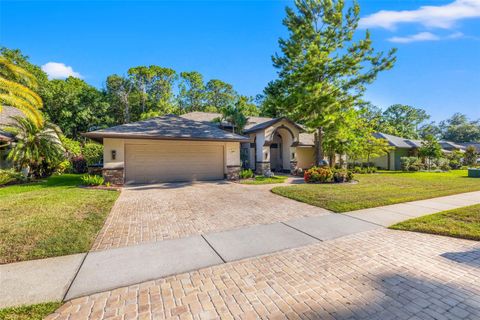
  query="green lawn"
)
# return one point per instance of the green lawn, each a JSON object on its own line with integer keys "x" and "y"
{"x": 373, "y": 190}
{"x": 32, "y": 312}
{"x": 50, "y": 218}
{"x": 459, "y": 223}
{"x": 265, "y": 180}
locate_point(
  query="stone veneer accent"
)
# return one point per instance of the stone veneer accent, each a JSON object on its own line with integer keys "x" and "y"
{"x": 262, "y": 167}
{"x": 95, "y": 170}
{"x": 114, "y": 176}
{"x": 293, "y": 166}
{"x": 233, "y": 172}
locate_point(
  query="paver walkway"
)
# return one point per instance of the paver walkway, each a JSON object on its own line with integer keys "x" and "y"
{"x": 378, "y": 274}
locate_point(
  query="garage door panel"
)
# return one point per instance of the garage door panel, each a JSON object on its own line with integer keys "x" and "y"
{"x": 166, "y": 162}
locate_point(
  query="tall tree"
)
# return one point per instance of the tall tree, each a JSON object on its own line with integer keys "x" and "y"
{"x": 323, "y": 70}
{"x": 141, "y": 78}
{"x": 403, "y": 121}
{"x": 160, "y": 91}
{"x": 429, "y": 129}
{"x": 272, "y": 99}
{"x": 76, "y": 106}
{"x": 460, "y": 129}
{"x": 192, "y": 91}
{"x": 246, "y": 106}
{"x": 118, "y": 93}
{"x": 218, "y": 94}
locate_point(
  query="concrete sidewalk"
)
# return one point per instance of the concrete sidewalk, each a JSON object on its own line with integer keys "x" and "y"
{"x": 51, "y": 279}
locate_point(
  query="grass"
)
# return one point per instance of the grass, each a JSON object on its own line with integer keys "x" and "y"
{"x": 459, "y": 223}
{"x": 265, "y": 180}
{"x": 373, "y": 190}
{"x": 32, "y": 312}
{"x": 50, "y": 218}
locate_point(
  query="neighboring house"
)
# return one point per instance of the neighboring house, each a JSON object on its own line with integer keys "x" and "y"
{"x": 6, "y": 138}
{"x": 405, "y": 148}
{"x": 193, "y": 147}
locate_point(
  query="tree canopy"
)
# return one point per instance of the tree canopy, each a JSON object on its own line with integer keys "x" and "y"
{"x": 323, "y": 70}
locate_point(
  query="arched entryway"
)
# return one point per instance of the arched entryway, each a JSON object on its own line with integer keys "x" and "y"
{"x": 280, "y": 155}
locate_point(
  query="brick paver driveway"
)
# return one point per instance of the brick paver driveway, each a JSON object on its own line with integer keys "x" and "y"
{"x": 380, "y": 274}
{"x": 176, "y": 210}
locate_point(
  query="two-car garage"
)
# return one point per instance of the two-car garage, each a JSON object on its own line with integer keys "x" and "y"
{"x": 167, "y": 161}
{"x": 170, "y": 148}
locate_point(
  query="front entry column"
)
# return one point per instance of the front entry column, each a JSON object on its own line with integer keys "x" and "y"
{"x": 263, "y": 162}
{"x": 293, "y": 160}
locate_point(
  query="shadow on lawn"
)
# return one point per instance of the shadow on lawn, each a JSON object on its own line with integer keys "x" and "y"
{"x": 398, "y": 296}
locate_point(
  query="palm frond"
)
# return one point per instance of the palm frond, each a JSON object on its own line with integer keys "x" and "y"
{"x": 21, "y": 91}
{"x": 22, "y": 105}
{"x": 18, "y": 72}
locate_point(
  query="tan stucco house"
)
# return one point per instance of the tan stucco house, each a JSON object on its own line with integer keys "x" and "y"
{"x": 194, "y": 147}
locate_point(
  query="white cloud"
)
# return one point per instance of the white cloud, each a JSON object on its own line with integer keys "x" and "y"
{"x": 57, "y": 70}
{"x": 443, "y": 17}
{"x": 424, "y": 36}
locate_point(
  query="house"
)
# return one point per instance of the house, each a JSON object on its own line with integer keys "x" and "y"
{"x": 6, "y": 138}
{"x": 406, "y": 148}
{"x": 194, "y": 147}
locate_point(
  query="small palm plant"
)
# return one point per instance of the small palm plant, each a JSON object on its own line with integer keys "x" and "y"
{"x": 16, "y": 86}
{"x": 235, "y": 117}
{"x": 34, "y": 144}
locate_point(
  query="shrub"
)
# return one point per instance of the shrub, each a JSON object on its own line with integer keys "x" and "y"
{"x": 318, "y": 174}
{"x": 443, "y": 164}
{"x": 92, "y": 180}
{"x": 11, "y": 176}
{"x": 246, "y": 174}
{"x": 79, "y": 164}
{"x": 411, "y": 164}
{"x": 72, "y": 147}
{"x": 64, "y": 167}
{"x": 93, "y": 153}
{"x": 342, "y": 175}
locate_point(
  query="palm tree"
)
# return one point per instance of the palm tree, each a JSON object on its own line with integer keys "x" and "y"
{"x": 35, "y": 144}
{"x": 233, "y": 115}
{"x": 13, "y": 93}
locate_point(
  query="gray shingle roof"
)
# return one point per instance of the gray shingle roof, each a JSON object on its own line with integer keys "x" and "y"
{"x": 400, "y": 142}
{"x": 210, "y": 116}
{"x": 167, "y": 127}
{"x": 253, "y": 124}
{"x": 476, "y": 145}
{"x": 5, "y": 119}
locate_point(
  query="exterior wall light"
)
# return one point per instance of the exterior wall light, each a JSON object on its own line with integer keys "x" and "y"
{"x": 114, "y": 154}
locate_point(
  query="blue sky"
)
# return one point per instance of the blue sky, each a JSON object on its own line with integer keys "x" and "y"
{"x": 438, "y": 66}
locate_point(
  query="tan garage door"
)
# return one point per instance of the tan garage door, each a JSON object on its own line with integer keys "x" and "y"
{"x": 170, "y": 161}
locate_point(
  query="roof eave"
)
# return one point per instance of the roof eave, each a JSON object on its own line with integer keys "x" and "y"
{"x": 100, "y": 136}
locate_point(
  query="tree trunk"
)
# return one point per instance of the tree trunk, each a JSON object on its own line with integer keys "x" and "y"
{"x": 319, "y": 154}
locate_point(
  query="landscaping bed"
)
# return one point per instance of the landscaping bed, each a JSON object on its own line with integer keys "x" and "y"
{"x": 373, "y": 190}
{"x": 50, "y": 218}
{"x": 264, "y": 180}
{"x": 459, "y": 223}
